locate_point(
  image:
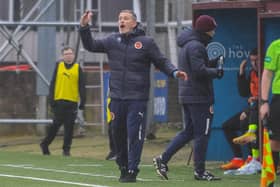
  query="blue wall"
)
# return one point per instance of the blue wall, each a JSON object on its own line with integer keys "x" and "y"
{"x": 271, "y": 31}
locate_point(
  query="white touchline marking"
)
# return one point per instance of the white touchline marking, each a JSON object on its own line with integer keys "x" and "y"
{"x": 146, "y": 165}
{"x": 85, "y": 165}
{"x": 71, "y": 172}
{"x": 25, "y": 165}
{"x": 63, "y": 171}
{"x": 57, "y": 171}
{"x": 50, "y": 180}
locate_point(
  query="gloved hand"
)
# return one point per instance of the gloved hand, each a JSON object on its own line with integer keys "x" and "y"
{"x": 220, "y": 73}
{"x": 215, "y": 60}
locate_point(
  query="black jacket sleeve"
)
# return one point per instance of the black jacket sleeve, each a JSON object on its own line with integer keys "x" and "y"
{"x": 159, "y": 60}
{"x": 89, "y": 42}
{"x": 243, "y": 85}
{"x": 82, "y": 89}
{"x": 52, "y": 85}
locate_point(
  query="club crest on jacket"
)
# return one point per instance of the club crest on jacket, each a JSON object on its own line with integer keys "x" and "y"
{"x": 138, "y": 45}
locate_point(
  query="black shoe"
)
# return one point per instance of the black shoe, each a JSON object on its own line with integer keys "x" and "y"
{"x": 45, "y": 149}
{"x": 66, "y": 153}
{"x": 123, "y": 173}
{"x": 111, "y": 156}
{"x": 206, "y": 176}
{"x": 129, "y": 177}
{"x": 161, "y": 168}
{"x": 150, "y": 136}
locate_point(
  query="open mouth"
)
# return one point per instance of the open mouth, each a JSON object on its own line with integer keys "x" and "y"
{"x": 122, "y": 26}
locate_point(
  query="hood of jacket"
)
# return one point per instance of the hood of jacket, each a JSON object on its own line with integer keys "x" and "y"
{"x": 189, "y": 34}
{"x": 139, "y": 30}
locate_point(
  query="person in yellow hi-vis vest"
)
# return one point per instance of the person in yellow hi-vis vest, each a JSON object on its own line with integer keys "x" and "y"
{"x": 110, "y": 116}
{"x": 67, "y": 88}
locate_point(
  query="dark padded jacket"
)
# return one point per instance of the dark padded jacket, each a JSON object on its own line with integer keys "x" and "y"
{"x": 193, "y": 59}
{"x": 130, "y": 58}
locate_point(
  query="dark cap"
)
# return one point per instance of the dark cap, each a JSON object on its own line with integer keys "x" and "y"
{"x": 205, "y": 23}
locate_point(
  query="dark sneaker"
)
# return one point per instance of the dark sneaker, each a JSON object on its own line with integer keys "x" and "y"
{"x": 150, "y": 136}
{"x": 111, "y": 156}
{"x": 130, "y": 177}
{"x": 161, "y": 168}
{"x": 206, "y": 176}
{"x": 45, "y": 149}
{"x": 124, "y": 172}
{"x": 66, "y": 153}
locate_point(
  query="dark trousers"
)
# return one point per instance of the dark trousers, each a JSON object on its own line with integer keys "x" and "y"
{"x": 111, "y": 139}
{"x": 232, "y": 128}
{"x": 198, "y": 120}
{"x": 128, "y": 131}
{"x": 65, "y": 113}
{"x": 254, "y": 119}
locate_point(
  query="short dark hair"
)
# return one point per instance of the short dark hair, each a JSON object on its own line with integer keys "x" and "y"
{"x": 254, "y": 52}
{"x": 65, "y": 48}
{"x": 130, "y": 12}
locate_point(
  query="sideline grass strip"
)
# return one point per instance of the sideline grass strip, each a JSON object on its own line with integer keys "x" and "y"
{"x": 50, "y": 180}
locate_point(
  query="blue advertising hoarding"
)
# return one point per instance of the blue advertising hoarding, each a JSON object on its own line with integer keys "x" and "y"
{"x": 106, "y": 76}
{"x": 271, "y": 30}
{"x": 160, "y": 99}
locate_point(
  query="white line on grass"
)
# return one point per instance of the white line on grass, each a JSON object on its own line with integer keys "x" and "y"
{"x": 100, "y": 165}
{"x": 57, "y": 171}
{"x": 146, "y": 165}
{"x": 50, "y": 180}
{"x": 85, "y": 165}
{"x": 73, "y": 172}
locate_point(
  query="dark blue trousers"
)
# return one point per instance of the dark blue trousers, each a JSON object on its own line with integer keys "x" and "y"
{"x": 197, "y": 127}
{"x": 128, "y": 129}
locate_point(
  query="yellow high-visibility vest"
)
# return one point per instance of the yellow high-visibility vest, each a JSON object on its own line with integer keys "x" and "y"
{"x": 67, "y": 83}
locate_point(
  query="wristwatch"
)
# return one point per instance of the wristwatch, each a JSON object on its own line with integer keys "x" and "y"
{"x": 263, "y": 101}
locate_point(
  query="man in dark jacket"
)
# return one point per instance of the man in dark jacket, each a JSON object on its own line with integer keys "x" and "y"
{"x": 67, "y": 88}
{"x": 196, "y": 96}
{"x": 130, "y": 55}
